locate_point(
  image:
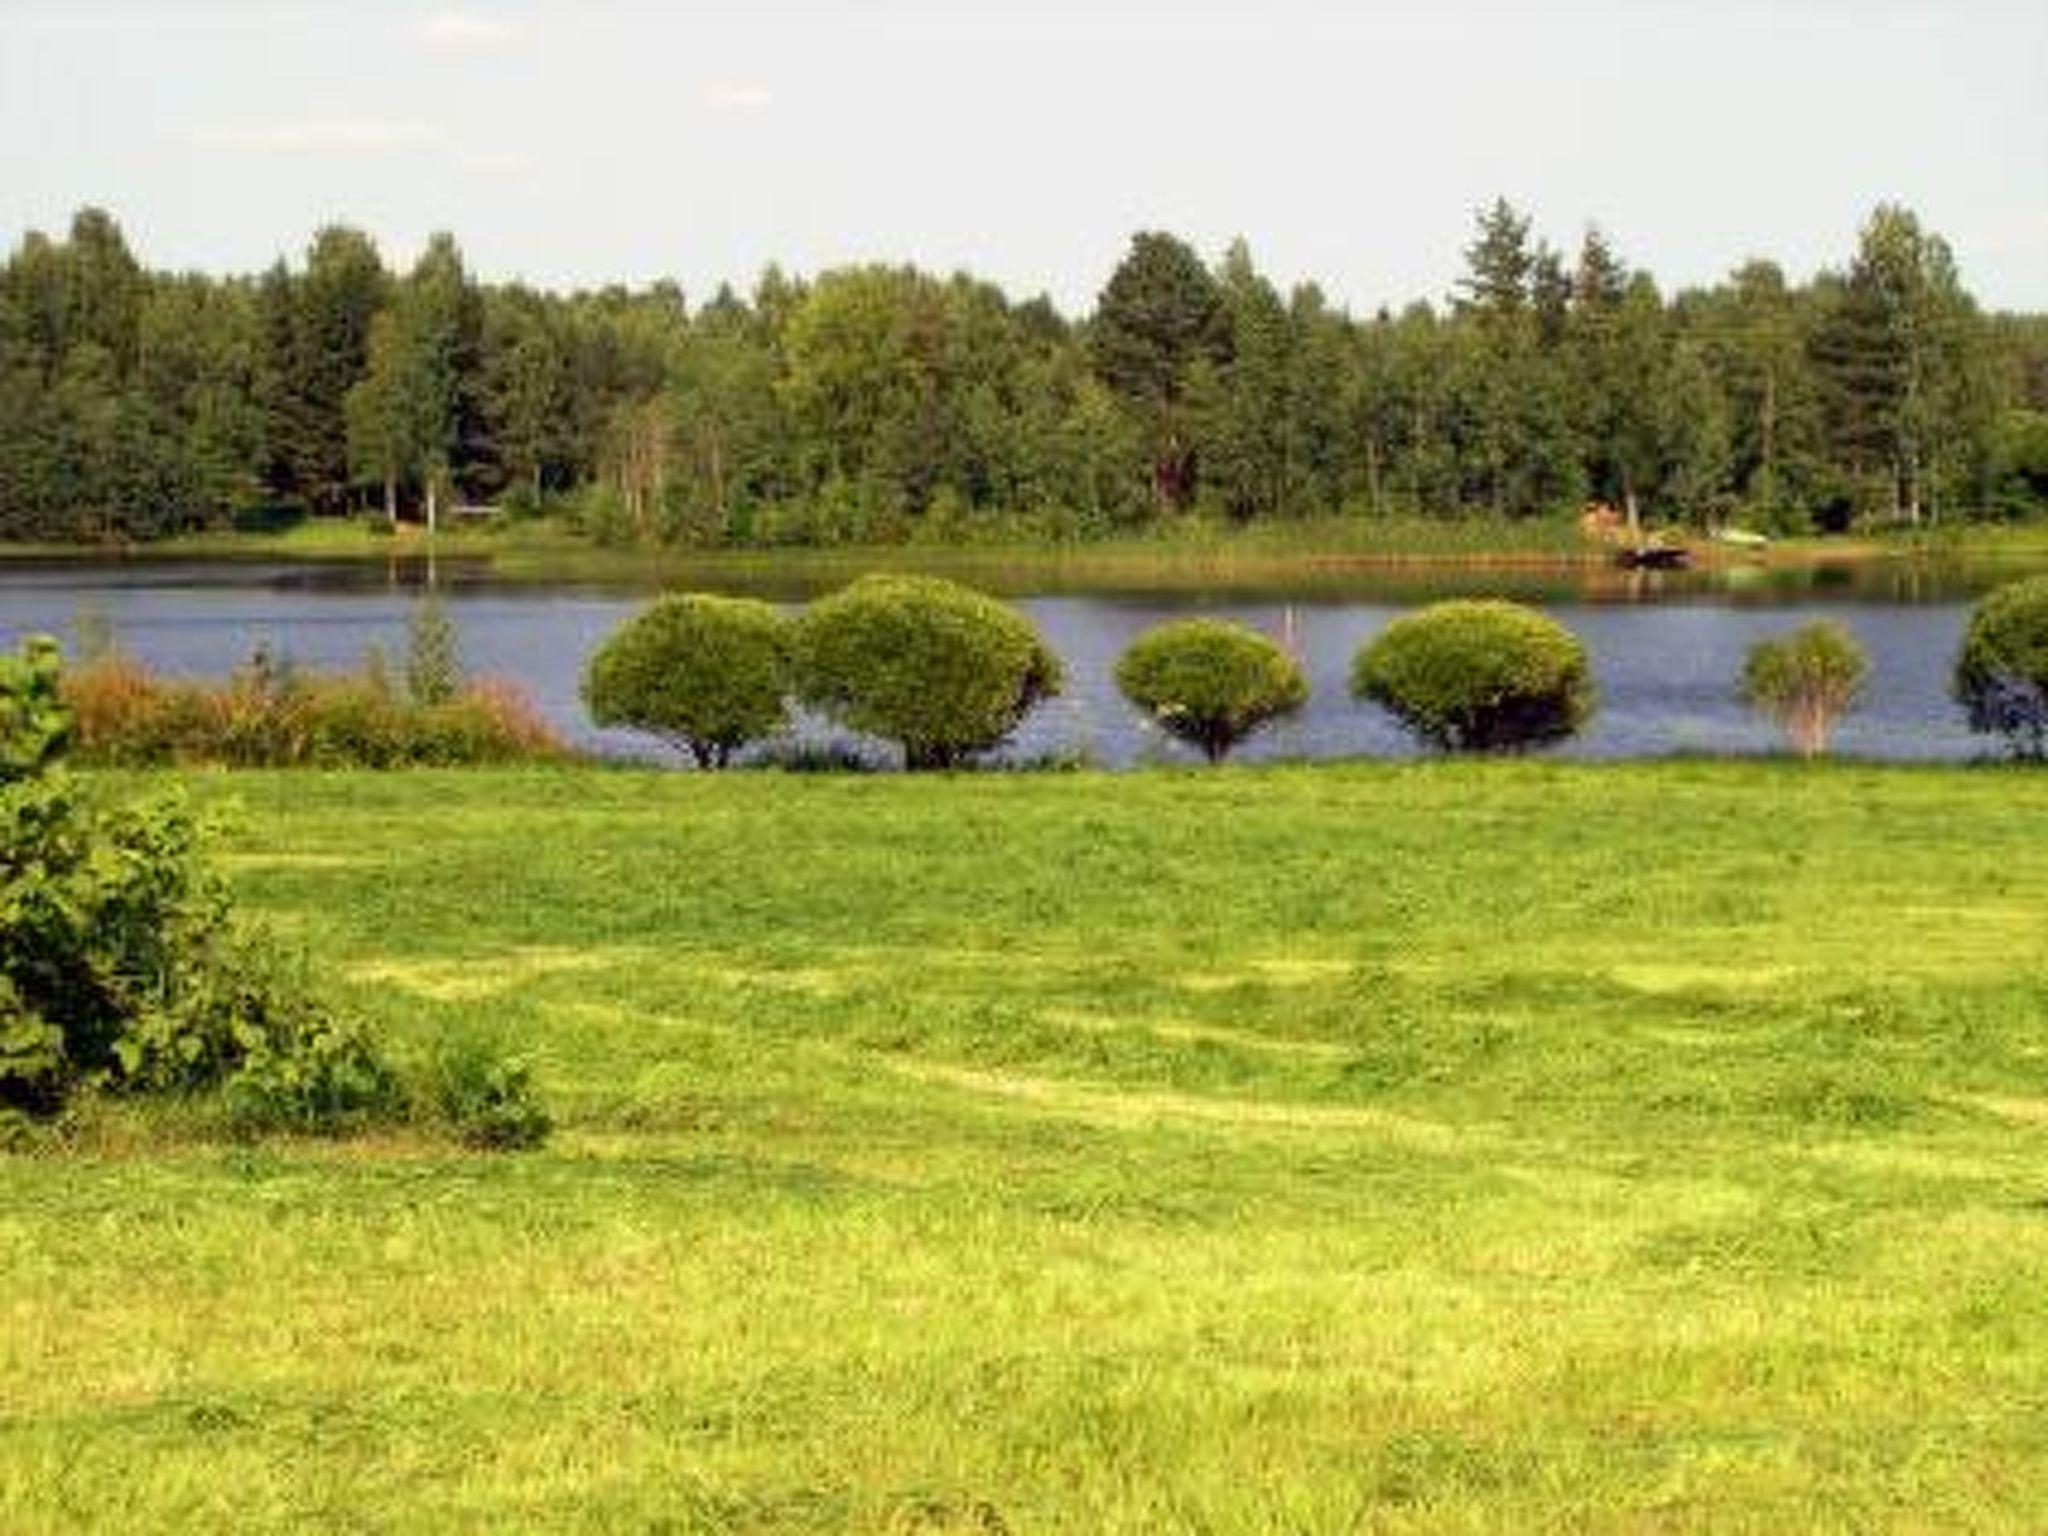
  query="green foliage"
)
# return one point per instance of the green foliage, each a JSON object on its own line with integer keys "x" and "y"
{"x": 123, "y": 970}
{"x": 106, "y": 921}
{"x": 2018, "y": 466}
{"x": 1210, "y": 682}
{"x": 707, "y": 673}
{"x": 1159, "y": 315}
{"x": 1478, "y": 676}
{"x": 1159, "y": 324}
{"x": 119, "y": 964}
{"x": 862, "y": 375}
{"x": 283, "y": 1060}
{"x": 880, "y": 404}
{"x": 1902, "y": 358}
{"x": 433, "y": 656}
{"x": 1260, "y": 422}
{"x": 485, "y": 1098}
{"x": 272, "y": 517}
{"x": 1806, "y": 681}
{"x": 933, "y": 666}
{"x": 2001, "y": 676}
{"x": 35, "y": 726}
{"x": 529, "y": 394}
{"x": 334, "y": 307}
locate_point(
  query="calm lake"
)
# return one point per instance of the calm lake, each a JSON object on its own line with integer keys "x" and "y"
{"x": 1666, "y": 651}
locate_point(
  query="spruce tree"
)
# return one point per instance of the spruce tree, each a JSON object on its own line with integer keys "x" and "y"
{"x": 1159, "y": 320}
{"x": 1899, "y": 349}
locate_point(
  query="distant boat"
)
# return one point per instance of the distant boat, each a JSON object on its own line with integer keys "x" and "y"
{"x": 1653, "y": 557}
{"x": 1633, "y": 550}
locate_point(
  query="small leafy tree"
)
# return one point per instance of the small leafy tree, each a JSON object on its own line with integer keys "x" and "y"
{"x": 2002, "y": 673}
{"x": 1806, "y": 681}
{"x": 1482, "y": 676}
{"x": 433, "y": 654}
{"x": 1211, "y": 683}
{"x": 938, "y": 668}
{"x": 707, "y": 673}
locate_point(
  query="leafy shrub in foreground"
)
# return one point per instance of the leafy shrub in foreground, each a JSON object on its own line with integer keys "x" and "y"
{"x": 709, "y": 674}
{"x": 122, "y": 968}
{"x": 290, "y": 1064}
{"x": 942, "y": 670}
{"x": 35, "y": 726}
{"x": 1482, "y": 676}
{"x": 1806, "y": 681}
{"x": 1210, "y": 682}
{"x": 103, "y": 919}
{"x": 2001, "y": 675}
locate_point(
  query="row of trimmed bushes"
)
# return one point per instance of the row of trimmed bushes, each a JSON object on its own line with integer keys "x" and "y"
{"x": 940, "y": 670}
{"x": 947, "y": 673}
{"x": 1462, "y": 677}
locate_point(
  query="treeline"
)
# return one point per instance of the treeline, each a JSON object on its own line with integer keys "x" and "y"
{"x": 879, "y": 403}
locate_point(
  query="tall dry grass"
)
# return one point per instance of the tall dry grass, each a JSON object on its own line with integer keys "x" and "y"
{"x": 272, "y": 716}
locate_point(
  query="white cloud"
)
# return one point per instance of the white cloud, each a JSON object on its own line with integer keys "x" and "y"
{"x": 470, "y": 30}
{"x": 347, "y": 137}
{"x": 739, "y": 95}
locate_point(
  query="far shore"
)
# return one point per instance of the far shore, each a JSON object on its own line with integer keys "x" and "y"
{"x": 1191, "y": 554}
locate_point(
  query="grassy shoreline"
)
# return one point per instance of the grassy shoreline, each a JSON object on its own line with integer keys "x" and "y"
{"x": 1308, "y": 554}
{"x": 1389, "y": 1146}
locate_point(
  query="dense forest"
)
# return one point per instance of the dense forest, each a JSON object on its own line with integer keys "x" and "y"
{"x": 885, "y": 403}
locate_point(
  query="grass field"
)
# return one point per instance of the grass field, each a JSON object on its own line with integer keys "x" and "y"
{"x": 1503, "y": 1147}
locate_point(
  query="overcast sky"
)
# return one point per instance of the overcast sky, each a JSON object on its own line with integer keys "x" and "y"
{"x": 579, "y": 143}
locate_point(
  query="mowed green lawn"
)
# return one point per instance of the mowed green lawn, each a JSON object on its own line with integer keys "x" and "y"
{"x": 1496, "y": 1147}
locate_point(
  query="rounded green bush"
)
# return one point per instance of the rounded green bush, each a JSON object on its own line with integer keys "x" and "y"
{"x": 2002, "y": 673}
{"x": 1806, "y": 680}
{"x": 943, "y": 671}
{"x": 707, "y": 673}
{"x": 1210, "y": 682}
{"x": 1480, "y": 676}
